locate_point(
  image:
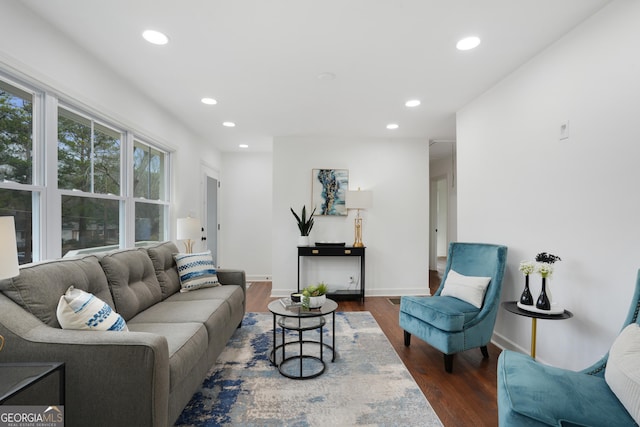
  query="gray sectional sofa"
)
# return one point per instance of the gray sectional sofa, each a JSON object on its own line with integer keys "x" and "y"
{"x": 143, "y": 377}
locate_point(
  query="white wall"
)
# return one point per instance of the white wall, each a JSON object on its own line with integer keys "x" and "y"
{"x": 246, "y": 214}
{"x": 395, "y": 229}
{"x": 520, "y": 186}
{"x": 32, "y": 49}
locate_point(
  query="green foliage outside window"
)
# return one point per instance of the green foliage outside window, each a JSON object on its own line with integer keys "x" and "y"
{"x": 88, "y": 161}
{"x": 16, "y": 163}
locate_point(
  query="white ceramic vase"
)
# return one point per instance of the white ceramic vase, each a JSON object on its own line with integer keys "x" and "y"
{"x": 303, "y": 240}
{"x": 316, "y": 302}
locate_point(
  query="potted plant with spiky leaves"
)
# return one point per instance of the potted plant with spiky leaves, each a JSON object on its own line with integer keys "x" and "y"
{"x": 304, "y": 225}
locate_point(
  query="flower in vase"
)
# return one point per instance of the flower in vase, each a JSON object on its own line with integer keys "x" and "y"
{"x": 527, "y": 267}
{"x": 545, "y": 269}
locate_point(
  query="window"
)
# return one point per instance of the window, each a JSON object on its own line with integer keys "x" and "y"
{"x": 97, "y": 202}
{"x": 149, "y": 191}
{"x": 17, "y": 194}
{"x": 89, "y": 158}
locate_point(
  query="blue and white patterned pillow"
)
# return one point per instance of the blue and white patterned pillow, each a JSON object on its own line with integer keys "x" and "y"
{"x": 78, "y": 309}
{"x": 196, "y": 271}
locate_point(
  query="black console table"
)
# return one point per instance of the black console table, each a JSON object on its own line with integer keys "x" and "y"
{"x": 336, "y": 251}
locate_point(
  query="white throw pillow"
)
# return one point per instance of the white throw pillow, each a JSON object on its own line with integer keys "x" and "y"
{"x": 196, "y": 271}
{"x": 78, "y": 309}
{"x": 470, "y": 289}
{"x": 623, "y": 369}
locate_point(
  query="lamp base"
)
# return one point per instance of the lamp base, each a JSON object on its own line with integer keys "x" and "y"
{"x": 188, "y": 245}
{"x": 358, "y": 232}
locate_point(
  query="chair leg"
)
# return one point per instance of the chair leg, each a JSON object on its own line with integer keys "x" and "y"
{"x": 485, "y": 352}
{"x": 448, "y": 363}
{"x": 407, "y": 339}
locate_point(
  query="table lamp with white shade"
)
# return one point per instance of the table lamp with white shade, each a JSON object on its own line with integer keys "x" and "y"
{"x": 358, "y": 200}
{"x": 189, "y": 229}
{"x": 8, "y": 253}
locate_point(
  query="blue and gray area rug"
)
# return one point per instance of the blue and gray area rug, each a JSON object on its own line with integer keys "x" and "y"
{"x": 366, "y": 385}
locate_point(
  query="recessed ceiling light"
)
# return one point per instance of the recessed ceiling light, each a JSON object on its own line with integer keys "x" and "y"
{"x": 412, "y": 103}
{"x": 392, "y": 126}
{"x": 468, "y": 43}
{"x": 229, "y": 124}
{"x": 209, "y": 101}
{"x": 155, "y": 37}
{"x": 243, "y": 146}
{"x": 326, "y": 76}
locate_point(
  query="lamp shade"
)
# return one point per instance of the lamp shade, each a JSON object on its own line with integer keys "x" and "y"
{"x": 188, "y": 229}
{"x": 8, "y": 248}
{"x": 358, "y": 199}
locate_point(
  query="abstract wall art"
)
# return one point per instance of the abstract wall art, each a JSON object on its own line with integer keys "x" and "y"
{"x": 329, "y": 188}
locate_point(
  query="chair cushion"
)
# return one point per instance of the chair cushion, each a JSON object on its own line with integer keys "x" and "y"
{"x": 622, "y": 373}
{"x": 445, "y": 313}
{"x": 551, "y": 395}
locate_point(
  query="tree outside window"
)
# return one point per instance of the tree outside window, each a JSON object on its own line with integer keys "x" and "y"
{"x": 89, "y": 163}
{"x": 16, "y": 164}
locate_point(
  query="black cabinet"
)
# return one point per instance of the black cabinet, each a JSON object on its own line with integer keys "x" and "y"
{"x": 336, "y": 251}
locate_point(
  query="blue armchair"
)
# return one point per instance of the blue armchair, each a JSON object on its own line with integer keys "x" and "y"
{"x": 533, "y": 394}
{"x": 450, "y": 324}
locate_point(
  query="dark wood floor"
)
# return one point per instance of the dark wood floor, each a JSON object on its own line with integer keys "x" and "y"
{"x": 466, "y": 397}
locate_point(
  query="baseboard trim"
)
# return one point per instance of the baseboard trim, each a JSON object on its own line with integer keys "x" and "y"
{"x": 258, "y": 278}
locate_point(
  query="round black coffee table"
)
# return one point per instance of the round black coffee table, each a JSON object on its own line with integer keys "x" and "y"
{"x": 300, "y": 320}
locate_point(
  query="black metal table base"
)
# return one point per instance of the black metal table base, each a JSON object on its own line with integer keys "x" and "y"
{"x": 305, "y": 371}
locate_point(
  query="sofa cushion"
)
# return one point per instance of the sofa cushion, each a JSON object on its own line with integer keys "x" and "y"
{"x": 187, "y": 345}
{"x": 444, "y": 312}
{"x": 623, "y": 369}
{"x": 39, "y": 286}
{"x": 132, "y": 280}
{"x": 213, "y": 313}
{"x": 196, "y": 271}
{"x": 165, "y": 265}
{"x": 551, "y": 395}
{"x": 78, "y": 309}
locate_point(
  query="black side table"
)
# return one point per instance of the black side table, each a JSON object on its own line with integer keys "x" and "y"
{"x": 512, "y": 307}
{"x": 17, "y": 377}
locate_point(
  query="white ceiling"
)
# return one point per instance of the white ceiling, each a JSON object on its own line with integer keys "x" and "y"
{"x": 261, "y": 59}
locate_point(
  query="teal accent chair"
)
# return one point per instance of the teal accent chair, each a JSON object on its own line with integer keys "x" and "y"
{"x": 533, "y": 394}
{"x": 450, "y": 324}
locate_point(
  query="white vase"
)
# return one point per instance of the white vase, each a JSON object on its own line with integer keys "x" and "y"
{"x": 315, "y": 302}
{"x": 303, "y": 240}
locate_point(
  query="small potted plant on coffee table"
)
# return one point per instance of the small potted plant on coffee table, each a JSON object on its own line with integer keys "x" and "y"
{"x": 314, "y": 296}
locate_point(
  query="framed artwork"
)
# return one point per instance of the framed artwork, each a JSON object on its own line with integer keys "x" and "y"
{"x": 329, "y": 189}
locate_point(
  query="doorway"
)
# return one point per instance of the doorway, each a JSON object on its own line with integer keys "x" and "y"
{"x": 210, "y": 211}
{"x": 438, "y": 220}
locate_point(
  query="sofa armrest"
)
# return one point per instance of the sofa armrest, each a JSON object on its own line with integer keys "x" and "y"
{"x": 111, "y": 378}
{"x": 232, "y": 277}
